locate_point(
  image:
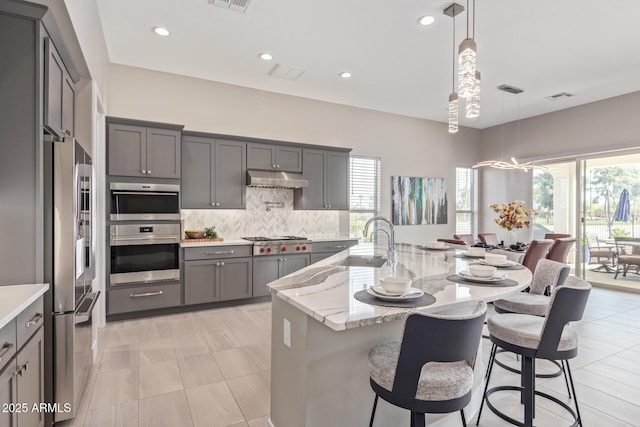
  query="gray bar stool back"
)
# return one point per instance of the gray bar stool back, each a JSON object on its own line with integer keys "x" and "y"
{"x": 431, "y": 370}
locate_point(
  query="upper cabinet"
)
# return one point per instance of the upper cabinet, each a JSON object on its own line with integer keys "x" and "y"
{"x": 274, "y": 157}
{"x": 59, "y": 94}
{"x": 214, "y": 173}
{"x": 328, "y": 175}
{"x": 143, "y": 151}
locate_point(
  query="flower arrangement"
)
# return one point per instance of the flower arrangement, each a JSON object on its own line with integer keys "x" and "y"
{"x": 513, "y": 215}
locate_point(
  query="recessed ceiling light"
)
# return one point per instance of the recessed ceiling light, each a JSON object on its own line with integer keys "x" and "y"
{"x": 266, "y": 56}
{"x": 426, "y": 20}
{"x": 345, "y": 74}
{"x": 161, "y": 31}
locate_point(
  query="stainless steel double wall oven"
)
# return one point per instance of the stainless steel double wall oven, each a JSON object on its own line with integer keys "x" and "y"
{"x": 144, "y": 233}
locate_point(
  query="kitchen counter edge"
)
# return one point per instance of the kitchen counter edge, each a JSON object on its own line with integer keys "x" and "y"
{"x": 15, "y": 298}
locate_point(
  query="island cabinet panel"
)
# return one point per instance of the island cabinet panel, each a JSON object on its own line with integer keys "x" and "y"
{"x": 322, "y": 250}
{"x": 143, "y": 152}
{"x": 30, "y": 384}
{"x": 8, "y": 393}
{"x": 274, "y": 157}
{"x": 217, "y": 280}
{"x": 213, "y": 173}
{"x": 269, "y": 268}
{"x": 328, "y": 175}
{"x": 59, "y": 93}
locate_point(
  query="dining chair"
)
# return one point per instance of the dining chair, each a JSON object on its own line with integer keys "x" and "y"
{"x": 431, "y": 369}
{"x": 596, "y": 252}
{"x": 560, "y": 249}
{"x": 534, "y": 337}
{"x": 554, "y": 236}
{"x": 626, "y": 260}
{"x": 467, "y": 238}
{"x": 536, "y": 251}
{"x": 489, "y": 239}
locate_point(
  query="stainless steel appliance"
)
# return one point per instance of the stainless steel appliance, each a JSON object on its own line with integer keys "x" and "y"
{"x": 144, "y": 202}
{"x": 279, "y": 245}
{"x": 144, "y": 253}
{"x": 73, "y": 270}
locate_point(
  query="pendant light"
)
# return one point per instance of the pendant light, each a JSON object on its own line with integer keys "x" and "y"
{"x": 467, "y": 61}
{"x": 453, "y": 10}
{"x": 513, "y": 164}
{"x": 472, "y": 106}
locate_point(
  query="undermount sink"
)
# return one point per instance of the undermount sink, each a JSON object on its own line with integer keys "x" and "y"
{"x": 362, "y": 261}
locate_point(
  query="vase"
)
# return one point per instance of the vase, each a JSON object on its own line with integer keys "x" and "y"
{"x": 511, "y": 238}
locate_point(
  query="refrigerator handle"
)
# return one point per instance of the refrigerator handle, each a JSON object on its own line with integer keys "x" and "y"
{"x": 84, "y": 316}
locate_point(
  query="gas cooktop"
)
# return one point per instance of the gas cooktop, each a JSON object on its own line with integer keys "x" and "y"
{"x": 274, "y": 245}
{"x": 273, "y": 238}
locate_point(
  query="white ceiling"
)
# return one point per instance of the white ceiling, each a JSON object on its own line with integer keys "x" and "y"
{"x": 584, "y": 47}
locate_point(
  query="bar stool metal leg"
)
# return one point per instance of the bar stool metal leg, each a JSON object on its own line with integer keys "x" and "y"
{"x": 464, "y": 420}
{"x": 373, "y": 411}
{"x": 488, "y": 375}
{"x": 575, "y": 397}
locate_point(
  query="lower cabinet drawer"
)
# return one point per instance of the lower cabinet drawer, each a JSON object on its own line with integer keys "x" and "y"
{"x": 143, "y": 298}
{"x": 8, "y": 345}
{"x": 29, "y": 321}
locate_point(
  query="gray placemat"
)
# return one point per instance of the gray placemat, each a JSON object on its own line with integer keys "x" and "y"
{"x": 367, "y": 298}
{"x": 502, "y": 283}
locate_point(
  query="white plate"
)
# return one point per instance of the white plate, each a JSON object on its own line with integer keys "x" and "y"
{"x": 470, "y": 277}
{"x": 467, "y": 254}
{"x": 507, "y": 263}
{"x": 445, "y": 248}
{"x": 378, "y": 292}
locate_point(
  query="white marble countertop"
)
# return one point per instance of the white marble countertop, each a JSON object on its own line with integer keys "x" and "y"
{"x": 325, "y": 291}
{"x": 15, "y": 298}
{"x": 226, "y": 242}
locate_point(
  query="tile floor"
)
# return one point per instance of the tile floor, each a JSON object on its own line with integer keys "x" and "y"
{"x": 211, "y": 368}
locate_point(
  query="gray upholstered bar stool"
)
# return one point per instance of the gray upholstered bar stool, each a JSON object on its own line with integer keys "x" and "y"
{"x": 546, "y": 277}
{"x": 535, "y": 337}
{"x": 431, "y": 370}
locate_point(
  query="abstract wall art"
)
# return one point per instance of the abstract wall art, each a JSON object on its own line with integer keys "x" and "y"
{"x": 416, "y": 200}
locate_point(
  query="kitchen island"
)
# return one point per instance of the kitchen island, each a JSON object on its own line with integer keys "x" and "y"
{"x": 321, "y": 334}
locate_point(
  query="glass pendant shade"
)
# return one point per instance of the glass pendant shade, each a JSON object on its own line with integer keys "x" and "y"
{"x": 472, "y": 105}
{"x": 453, "y": 113}
{"x": 467, "y": 68}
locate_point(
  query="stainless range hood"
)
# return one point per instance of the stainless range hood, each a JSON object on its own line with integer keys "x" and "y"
{"x": 276, "y": 179}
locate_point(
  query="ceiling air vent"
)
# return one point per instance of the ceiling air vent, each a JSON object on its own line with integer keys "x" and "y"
{"x": 237, "y": 5}
{"x": 559, "y": 96}
{"x": 286, "y": 72}
{"x": 510, "y": 89}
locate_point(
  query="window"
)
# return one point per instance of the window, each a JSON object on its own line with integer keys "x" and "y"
{"x": 466, "y": 201}
{"x": 364, "y": 192}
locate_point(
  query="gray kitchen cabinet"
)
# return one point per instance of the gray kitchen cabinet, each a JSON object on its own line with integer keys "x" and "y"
{"x": 217, "y": 280}
{"x": 274, "y": 157}
{"x": 328, "y": 175}
{"x": 269, "y": 268}
{"x": 142, "y": 298}
{"x": 22, "y": 369}
{"x": 143, "y": 152}
{"x": 213, "y": 173}
{"x": 59, "y": 94}
{"x": 325, "y": 249}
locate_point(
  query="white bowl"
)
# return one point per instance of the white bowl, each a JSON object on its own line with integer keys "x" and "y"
{"x": 436, "y": 244}
{"x": 396, "y": 285}
{"x": 482, "y": 270}
{"x": 476, "y": 251}
{"x": 495, "y": 259}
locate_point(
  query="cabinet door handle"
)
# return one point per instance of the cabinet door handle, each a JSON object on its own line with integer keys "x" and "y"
{"x": 144, "y": 171}
{"x": 147, "y": 294}
{"x": 5, "y": 348}
{"x": 219, "y": 252}
{"x": 278, "y": 166}
{"x": 222, "y": 264}
{"x": 273, "y": 166}
{"x": 34, "y": 320}
{"x": 149, "y": 172}
{"x": 338, "y": 247}
{"x": 22, "y": 369}
{"x": 217, "y": 204}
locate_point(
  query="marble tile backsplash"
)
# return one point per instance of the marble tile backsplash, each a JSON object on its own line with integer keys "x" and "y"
{"x": 257, "y": 221}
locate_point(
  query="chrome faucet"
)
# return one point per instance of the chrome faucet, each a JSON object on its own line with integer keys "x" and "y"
{"x": 392, "y": 255}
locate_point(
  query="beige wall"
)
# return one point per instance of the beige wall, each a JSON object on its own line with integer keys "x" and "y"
{"x": 407, "y": 146}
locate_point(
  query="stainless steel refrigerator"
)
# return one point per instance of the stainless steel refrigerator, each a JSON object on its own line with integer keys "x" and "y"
{"x": 71, "y": 298}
